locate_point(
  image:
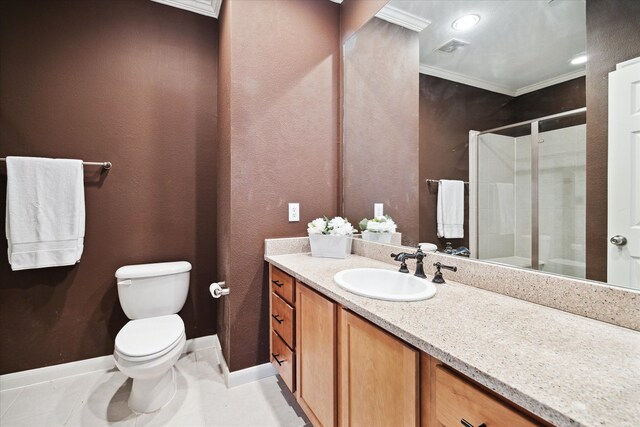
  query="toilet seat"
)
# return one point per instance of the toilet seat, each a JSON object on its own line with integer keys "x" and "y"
{"x": 149, "y": 338}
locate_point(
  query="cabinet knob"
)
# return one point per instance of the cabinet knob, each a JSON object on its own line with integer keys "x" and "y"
{"x": 278, "y": 284}
{"x": 277, "y": 319}
{"x": 275, "y": 357}
{"x": 466, "y": 423}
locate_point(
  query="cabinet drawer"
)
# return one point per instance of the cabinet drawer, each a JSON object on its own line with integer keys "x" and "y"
{"x": 282, "y": 284}
{"x": 458, "y": 399}
{"x": 284, "y": 360}
{"x": 282, "y": 319}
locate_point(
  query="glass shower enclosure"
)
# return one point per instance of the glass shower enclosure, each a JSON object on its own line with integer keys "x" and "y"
{"x": 527, "y": 194}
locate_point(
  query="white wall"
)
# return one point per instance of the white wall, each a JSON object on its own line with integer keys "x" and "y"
{"x": 496, "y": 167}
{"x": 562, "y": 189}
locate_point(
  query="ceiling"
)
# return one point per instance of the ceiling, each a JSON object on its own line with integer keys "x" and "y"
{"x": 202, "y": 7}
{"x": 517, "y": 47}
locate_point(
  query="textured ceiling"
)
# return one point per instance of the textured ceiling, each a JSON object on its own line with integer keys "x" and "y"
{"x": 517, "y": 46}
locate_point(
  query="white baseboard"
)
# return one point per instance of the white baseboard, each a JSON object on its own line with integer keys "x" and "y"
{"x": 249, "y": 375}
{"x": 200, "y": 343}
{"x": 86, "y": 366}
{"x": 54, "y": 372}
{"x": 224, "y": 368}
{"x": 105, "y": 363}
{"x": 243, "y": 376}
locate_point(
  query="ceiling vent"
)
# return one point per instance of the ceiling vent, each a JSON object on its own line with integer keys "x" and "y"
{"x": 451, "y": 46}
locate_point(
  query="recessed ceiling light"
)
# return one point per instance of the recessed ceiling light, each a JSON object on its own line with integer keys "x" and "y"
{"x": 465, "y": 22}
{"x": 579, "y": 60}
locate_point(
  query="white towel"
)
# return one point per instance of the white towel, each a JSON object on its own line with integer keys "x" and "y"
{"x": 45, "y": 212}
{"x": 450, "y": 209}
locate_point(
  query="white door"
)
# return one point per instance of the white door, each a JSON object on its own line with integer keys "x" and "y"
{"x": 623, "y": 263}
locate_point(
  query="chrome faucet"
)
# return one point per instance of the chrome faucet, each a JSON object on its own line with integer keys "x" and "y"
{"x": 418, "y": 256}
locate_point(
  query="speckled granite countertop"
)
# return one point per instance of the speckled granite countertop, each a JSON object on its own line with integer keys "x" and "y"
{"x": 567, "y": 369}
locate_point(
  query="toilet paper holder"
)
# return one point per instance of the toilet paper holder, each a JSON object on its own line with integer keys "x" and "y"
{"x": 218, "y": 289}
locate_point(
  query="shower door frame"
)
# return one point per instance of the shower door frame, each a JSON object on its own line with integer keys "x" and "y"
{"x": 474, "y": 174}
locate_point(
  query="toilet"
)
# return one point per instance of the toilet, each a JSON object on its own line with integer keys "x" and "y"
{"x": 148, "y": 346}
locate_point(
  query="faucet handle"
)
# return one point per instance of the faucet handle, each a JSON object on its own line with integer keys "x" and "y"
{"x": 402, "y": 257}
{"x": 446, "y": 267}
{"x": 437, "y": 277}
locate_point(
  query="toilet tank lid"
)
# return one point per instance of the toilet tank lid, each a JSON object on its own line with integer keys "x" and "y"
{"x": 152, "y": 270}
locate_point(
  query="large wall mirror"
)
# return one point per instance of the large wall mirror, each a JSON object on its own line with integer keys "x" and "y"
{"x": 534, "y": 105}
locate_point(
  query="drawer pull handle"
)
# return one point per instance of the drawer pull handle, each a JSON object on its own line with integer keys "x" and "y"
{"x": 275, "y": 357}
{"x": 278, "y": 284}
{"x": 466, "y": 423}
{"x": 275, "y": 316}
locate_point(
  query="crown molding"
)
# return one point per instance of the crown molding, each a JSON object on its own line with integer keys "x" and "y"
{"x": 464, "y": 79}
{"x": 550, "y": 82}
{"x": 483, "y": 84}
{"x": 404, "y": 19}
{"x": 202, "y": 7}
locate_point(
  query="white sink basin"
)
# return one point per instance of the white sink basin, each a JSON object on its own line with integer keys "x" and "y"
{"x": 385, "y": 284}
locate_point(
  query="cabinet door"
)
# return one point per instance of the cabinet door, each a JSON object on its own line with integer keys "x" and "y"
{"x": 428, "y": 367}
{"x": 458, "y": 399}
{"x": 378, "y": 376}
{"x": 316, "y": 348}
{"x": 448, "y": 398}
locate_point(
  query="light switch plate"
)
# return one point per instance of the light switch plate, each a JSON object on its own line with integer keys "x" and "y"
{"x": 378, "y": 209}
{"x": 294, "y": 212}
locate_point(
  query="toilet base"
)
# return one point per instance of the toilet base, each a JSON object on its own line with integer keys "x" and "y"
{"x": 149, "y": 395}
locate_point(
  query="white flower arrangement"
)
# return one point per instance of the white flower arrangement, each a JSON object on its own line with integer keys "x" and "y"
{"x": 337, "y": 226}
{"x": 330, "y": 238}
{"x": 379, "y": 224}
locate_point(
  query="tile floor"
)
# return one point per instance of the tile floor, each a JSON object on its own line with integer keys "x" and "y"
{"x": 100, "y": 399}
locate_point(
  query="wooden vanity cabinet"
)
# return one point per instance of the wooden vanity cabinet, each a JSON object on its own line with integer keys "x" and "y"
{"x": 345, "y": 371}
{"x": 316, "y": 338}
{"x": 449, "y": 399}
{"x": 378, "y": 376}
{"x": 282, "y": 316}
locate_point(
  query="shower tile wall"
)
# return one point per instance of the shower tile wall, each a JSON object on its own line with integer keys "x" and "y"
{"x": 562, "y": 194}
{"x": 496, "y": 207}
{"x": 504, "y": 200}
{"x": 562, "y": 198}
{"x": 523, "y": 197}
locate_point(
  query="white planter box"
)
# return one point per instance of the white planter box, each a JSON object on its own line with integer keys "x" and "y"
{"x": 327, "y": 246}
{"x": 377, "y": 237}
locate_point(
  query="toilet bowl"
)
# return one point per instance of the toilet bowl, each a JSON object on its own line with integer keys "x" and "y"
{"x": 146, "y": 351}
{"x": 148, "y": 346}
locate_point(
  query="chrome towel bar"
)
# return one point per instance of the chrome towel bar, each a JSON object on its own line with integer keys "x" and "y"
{"x": 437, "y": 181}
{"x": 105, "y": 165}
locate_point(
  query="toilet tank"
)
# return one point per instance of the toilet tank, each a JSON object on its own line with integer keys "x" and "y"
{"x": 150, "y": 290}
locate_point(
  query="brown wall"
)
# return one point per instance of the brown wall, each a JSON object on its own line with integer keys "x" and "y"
{"x": 132, "y": 82}
{"x": 223, "y": 174}
{"x": 280, "y": 66}
{"x": 449, "y": 110}
{"x": 355, "y": 13}
{"x": 380, "y": 125}
{"x": 613, "y": 36}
